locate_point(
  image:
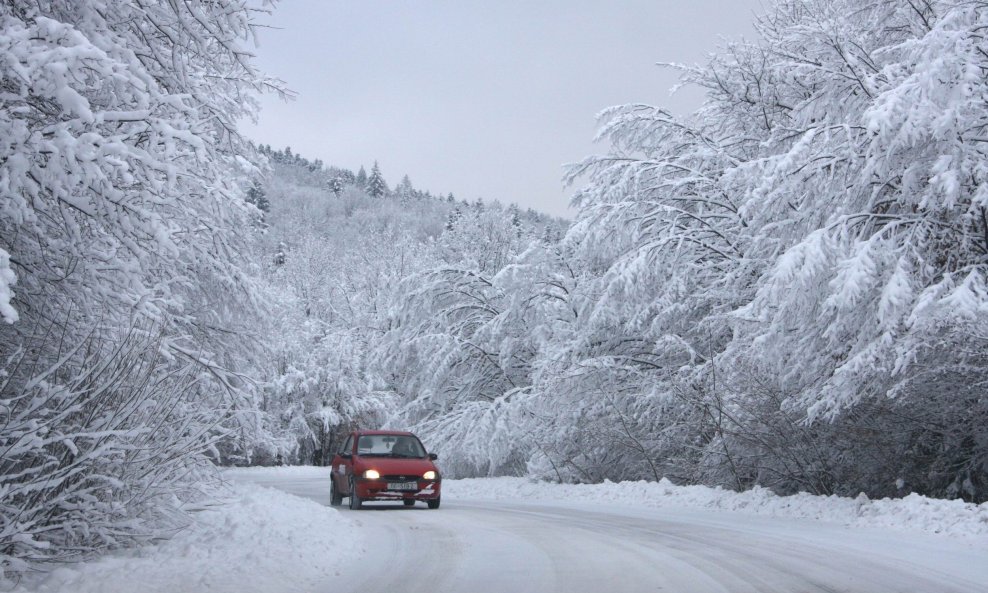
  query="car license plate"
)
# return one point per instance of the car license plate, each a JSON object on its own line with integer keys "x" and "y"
{"x": 403, "y": 486}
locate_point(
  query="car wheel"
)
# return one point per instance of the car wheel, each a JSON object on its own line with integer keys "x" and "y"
{"x": 434, "y": 503}
{"x": 355, "y": 502}
{"x": 335, "y": 498}
{"x": 409, "y": 502}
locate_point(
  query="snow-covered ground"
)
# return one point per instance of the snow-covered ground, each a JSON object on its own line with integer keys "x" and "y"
{"x": 253, "y": 540}
{"x": 954, "y": 518}
{"x": 514, "y": 534}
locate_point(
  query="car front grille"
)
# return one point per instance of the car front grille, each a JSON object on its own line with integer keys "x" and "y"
{"x": 401, "y": 478}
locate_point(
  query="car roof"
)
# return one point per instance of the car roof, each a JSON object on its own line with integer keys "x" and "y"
{"x": 383, "y": 432}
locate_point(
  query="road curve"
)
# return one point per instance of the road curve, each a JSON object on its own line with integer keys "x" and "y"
{"x": 471, "y": 546}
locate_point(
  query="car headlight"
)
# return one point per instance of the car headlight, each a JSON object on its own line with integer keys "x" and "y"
{"x": 372, "y": 474}
{"x": 429, "y": 475}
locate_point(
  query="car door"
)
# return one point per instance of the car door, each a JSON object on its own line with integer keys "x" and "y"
{"x": 343, "y": 465}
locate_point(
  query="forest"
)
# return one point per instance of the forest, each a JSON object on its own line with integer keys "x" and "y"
{"x": 786, "y": 288}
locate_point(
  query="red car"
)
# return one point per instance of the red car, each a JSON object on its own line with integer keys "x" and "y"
{"x": 384, "y": 465}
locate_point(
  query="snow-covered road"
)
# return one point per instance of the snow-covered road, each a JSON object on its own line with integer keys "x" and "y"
{"x": 477, "y": 546}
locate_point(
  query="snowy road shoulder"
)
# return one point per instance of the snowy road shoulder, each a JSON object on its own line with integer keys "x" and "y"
{"x": 913, "y": 513}
{"x": 257, "y": 540}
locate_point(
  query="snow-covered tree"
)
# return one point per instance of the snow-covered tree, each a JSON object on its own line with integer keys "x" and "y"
{"x": 460, "y": 346}
{"x": 342, "y": 267}
{"x": 784, "y": 288}
{"x": 810, "y": 245}
{"x": 405, "y": 191}
{"x": 874, "y": 192}
{"x": 337, "y": 186}
{"x": 376, "y": 186}
{"x": 122, "y": 221}
{"x": 257, "y": 197}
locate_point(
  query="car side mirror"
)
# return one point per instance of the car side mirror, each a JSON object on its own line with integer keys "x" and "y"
{"x": 433, "y": 456}
{"x": 345, "y": 455}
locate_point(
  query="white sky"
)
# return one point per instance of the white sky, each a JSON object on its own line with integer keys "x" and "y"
{"x": 483, "y": 99}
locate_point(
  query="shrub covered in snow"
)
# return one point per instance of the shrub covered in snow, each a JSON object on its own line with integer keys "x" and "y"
{"x": 123, "y": 295}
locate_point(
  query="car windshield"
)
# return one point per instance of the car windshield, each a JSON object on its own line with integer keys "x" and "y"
{"x": 388, "y": 445}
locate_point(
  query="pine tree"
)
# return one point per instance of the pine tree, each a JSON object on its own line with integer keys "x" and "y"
{"x": 406, "y": 183}
{"x": 376, "y": 186}
{"x": 405, "y": 191}
{"x": 257, "y": 197}
{"x": 515, "y": 219}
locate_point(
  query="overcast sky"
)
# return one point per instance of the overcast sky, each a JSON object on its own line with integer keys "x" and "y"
{"x": 483, "y": 99}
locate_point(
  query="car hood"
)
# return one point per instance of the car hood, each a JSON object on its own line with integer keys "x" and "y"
{"x": 395, "y": 466}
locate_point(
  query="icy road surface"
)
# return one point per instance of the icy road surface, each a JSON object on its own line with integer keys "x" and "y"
{"x": 475, "y": 546}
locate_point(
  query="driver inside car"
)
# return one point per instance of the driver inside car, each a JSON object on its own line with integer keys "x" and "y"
{"x": 404, "y": 448}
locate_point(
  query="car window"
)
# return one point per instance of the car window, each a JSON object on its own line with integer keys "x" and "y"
{"x": 348, "y": 445}
{"x": 386, "y": 445}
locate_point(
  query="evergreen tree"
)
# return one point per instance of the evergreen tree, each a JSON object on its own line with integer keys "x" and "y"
{"x": 376, "y": 186}
{"x": 257, "y": 197}
{"x": 515, "y": 219}
{"x": 405, "y": 191}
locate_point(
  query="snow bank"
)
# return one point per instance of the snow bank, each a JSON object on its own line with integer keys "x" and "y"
{"x": 912, "y": 513}
{"x": 277, "y": 473}
{"x": 258, "y": 540}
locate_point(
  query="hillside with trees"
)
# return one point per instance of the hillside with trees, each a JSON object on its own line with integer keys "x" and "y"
{"x": 338, "y": 258}
{"x": 786, "y": 288}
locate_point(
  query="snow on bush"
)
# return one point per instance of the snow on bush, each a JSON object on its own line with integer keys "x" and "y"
{"x": 260, "y": 540}
{"x": 7, "y": 279}
{"x": 912, "y": 513}
{"x": 123, "y": 348}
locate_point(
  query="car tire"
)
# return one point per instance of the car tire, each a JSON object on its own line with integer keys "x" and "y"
{"x": 409, "y": 502}
{"x": 335, "y": 498}
{"x": 434, "y": 503}
{"x": 355, "y": 502}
